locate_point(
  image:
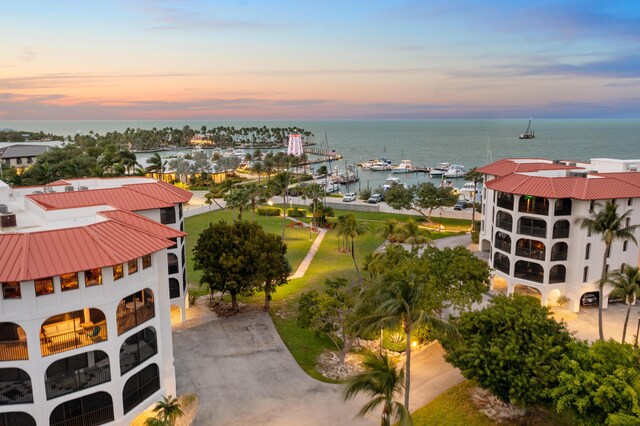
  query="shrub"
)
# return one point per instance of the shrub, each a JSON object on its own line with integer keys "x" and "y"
{"x": 365, "y": 194}
{"x": 296, "y": 212}
{"x": 268, "y": 211}
{"x": 562, "y": 301}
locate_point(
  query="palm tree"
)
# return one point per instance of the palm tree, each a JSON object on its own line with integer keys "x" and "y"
{"x": 351, "y": 228}
{"x": 626, "y": 284}
{"x": 474, "y": 176}
{"x": 156, "y": 165}
{"x": 257, "y": 195}
{"x": 611, "y": 227}
{"x": 167, "y": 411}
{"x": 237, "y": 198}
{"x": 414, "y": 234}
{"x": 280, "y": 185}
{"x": 381, "y": 380}
{"x": 389, "y": 230}
{"x": 314, "y": 192}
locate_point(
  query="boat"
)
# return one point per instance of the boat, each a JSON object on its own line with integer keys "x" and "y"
{"x": 240, "y": 153}
{"x": 390, "y": 181}
{"x": 366, "y": 165}
{"x": 528, "y": 134}
{"x": 468, "y": 189}
{"x": 455, "y": 171}
{"x": 380, "y": 166}
{"x": 439, "y": 170}
{"x": 197, "y": 148}
{"x": 404, "y": 167}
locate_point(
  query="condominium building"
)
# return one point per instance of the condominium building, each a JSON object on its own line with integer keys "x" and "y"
{"x": 530, "y": 223}
{"x": 89, "y": 269}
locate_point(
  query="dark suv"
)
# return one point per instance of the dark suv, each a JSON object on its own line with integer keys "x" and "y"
{"x": 460, "y": 205}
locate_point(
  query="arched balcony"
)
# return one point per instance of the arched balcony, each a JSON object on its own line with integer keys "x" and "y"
{"x": 140, "y": 386}
{"x": 562, "y": 207}
{"x": 559, "y": 251}
{"x": 561, "y": 229}
{"x": 76, "y": 373}
{"x": 174, "y": 288}
{"x": 137, "y": 349}
{"x": 501, "y": 263}
{"x": 530, "y": 248}
{"x": 533, "y": 205}
{"x": 13, "y": 342}
{"x": 93, "y": 409}
{"x": 557, "y": 274}
{"x": 134, "y": 310}
{"x": 503, "y": 242}
{"x": 16, "y": 418}
{"x": 172, "y": 263}
{"x": 15, "y": 387}
{"x": 504, "y": 200}
{"x": 533, "y": 227}
{"x": 529, "y": 271}
{"x": 72, "y": 330}
{"x": 504, "y": 221}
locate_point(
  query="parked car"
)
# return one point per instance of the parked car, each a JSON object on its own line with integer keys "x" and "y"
{"x": 375, "y": 199}
{"x": 589, "y": 299}
{"x": 460, "y": 205}
{"x": 349, "y": 196}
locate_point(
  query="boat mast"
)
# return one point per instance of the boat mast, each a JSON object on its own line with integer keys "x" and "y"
{"x": 489, "y": 155}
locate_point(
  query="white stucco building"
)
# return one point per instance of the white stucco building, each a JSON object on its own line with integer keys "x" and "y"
{"x": 88, "y": 270}
{"x": 530, "y": 223}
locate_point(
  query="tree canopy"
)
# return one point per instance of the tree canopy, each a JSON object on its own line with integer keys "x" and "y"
{"x": 422, "y": 198}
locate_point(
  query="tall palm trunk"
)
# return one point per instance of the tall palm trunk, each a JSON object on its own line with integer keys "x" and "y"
{"x": 603, "y": 279}
{"x": 407, "y": 367}
{"x": 473, "y": 207}
{"x": 626, "y": 320}
{"x": 284, "y": 212}
{"x": 353, "y": 255}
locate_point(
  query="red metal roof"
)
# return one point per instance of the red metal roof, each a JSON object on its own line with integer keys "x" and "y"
{"x": 599, "y": 187}
{"x": 142, "y": 223}
{"x": 162, "y": 191}
{"x": 508, "y": 166}
{"x": 122, "y": 198}
{"x": 28, "y": 256}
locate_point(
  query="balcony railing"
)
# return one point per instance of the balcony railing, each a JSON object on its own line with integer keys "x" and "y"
{"x": 530, "y": 253}
{"x": 74, "y": 381}
{"x": 13, "y": 350}
{"x": 50, "y": 345}
{"x": 135, "y": 317}
{"x": 132, "y": 356}
{"x": 541, "y": 210}
{"x": 16, "y": 392}
{"x": 534, "y": 231}
{"x": 507, "y": 225}
{"x": 96, "y": 417}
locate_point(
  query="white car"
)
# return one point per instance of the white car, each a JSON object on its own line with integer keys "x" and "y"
{"x": 350, "y": 196}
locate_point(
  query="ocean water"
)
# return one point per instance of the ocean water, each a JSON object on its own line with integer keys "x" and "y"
{"x": 424, "y": 142}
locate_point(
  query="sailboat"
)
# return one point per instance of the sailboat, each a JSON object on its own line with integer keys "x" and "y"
{"x": 528, "y": 134}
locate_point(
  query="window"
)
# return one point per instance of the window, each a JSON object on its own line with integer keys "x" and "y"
{"x": 69, "y": 281}
{"x": 625, "y": 244}
{"x": 174, "y": 288}
{"x": 168, "y": 215}
{"x": 137, "y": 349}
{"x": 93, "y": 277}
{"x": 146, "y": 261}
{"x": 11, "y": 290}
{"x": 133, "y": 266}
{"x": 627, "y": 222}
{"x": 592, "y": 205}
{"x": 175, "y": 242}
{"x": 630, "y": 202}
{"x": 585, "y": 274}
{"x": 172, "y": 263}
{"x": 140, "y": 386}
{"x": 17, "y": 418}
{"x": 44, "y": 286}
{"x": 92, "y": 409}
{"x": 118, "y": 272}
{"x": 587, "y": 251}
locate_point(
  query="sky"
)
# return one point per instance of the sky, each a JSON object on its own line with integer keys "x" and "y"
{"x": 349, "y": 59}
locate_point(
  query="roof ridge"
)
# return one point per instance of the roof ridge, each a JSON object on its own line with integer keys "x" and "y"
{"x": 139, "y": 216}
{"x": 91, "y": 233}
{"x": 25, "y": 256}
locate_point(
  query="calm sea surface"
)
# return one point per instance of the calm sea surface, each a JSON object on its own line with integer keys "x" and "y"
{"x": 424, "y": 142}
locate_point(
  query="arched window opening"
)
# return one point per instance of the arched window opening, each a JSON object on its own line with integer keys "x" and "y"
{"x": 501, "y": 263}
{"x": 533, "y": 227}
{"x": 561, "y": 229}
{"x": 93, "y": 409}
{"x": 172, "y": 263}
{"x": 559, "y": 251}
{"x": 504, "y": 221}
{"x": 15, "y": 385}
{"x": 137, "y": 349}
{"x": 530, "y": 248}
{"x": 16, "y": 418}
{"x": 134, "y": 310}
{"x": 585, "y": 274}
{"x": 534, "y": 205}
{"x": 557, "y": 274}
{"x": 505, "y": 200}
{"x": 13, "y": 342}
{"x": 140, "y": 386}
{"x": 503, "y": 242}
{"x": 76, "y": 373}
{"x": 529, "y": 271}
{"x": 72, "y": 330}
{"x": 174, "y": 288}
{"x": 563, "y": 207}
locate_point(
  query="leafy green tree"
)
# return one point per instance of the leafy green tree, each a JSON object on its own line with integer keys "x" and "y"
{"x": 381, "y": 381}
{"x": 273, "y": 268}
{"x": 512, "y": 347}
{"x": 611, "y": 227}
{"x": 167, "y": 412}
{"x": 626, "y": 285}
{"x": 413, "y": 234}
{"x": 420, "y": 198}
{"x": 351, "y": 228}
{"x": 332, "y": 312}
{"x": 322, "y": 170}
{"x": 600, "y": 383}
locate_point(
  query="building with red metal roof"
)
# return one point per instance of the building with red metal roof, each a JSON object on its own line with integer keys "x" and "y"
{"x": 530, "y": 223}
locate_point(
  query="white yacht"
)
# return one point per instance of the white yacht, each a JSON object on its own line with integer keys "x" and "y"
{"x": 380, "y": 166}
{"x": 438, "y": 171}
{"x": 390, "y": 181}
{"x": 455, "y": 171}
{"x": 468, "y": 188}
{"x": 404, "y": 167}
{"x": 240, "y": 153}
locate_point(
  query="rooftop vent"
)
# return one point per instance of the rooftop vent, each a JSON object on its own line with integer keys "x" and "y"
{"x": 571, "y": 164}
{"x": 557, "y": 162}
{"x": 7, "y": 220}
{"x": 48, "y": 190}
{"x": 4, "y": 209}
{"x": 577, "y": 174}
{"x": 83, "y": 188}
{"x": 38, "y": 192}
{"x": 68, "y": 188}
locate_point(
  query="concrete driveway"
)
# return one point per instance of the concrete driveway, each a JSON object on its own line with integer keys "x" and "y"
{"x": 244, "y": 374}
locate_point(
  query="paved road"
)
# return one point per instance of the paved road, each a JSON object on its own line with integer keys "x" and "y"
{"x": 244, "y": 374}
